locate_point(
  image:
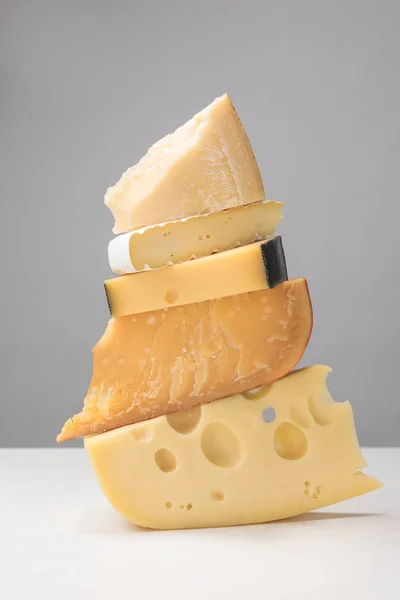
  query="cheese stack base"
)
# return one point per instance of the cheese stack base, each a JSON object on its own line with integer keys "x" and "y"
{"x": 278, "y": 452}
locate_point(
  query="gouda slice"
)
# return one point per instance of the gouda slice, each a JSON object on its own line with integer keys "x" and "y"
{"x": 159, "y": 362}
{"x": 219, "y": 275}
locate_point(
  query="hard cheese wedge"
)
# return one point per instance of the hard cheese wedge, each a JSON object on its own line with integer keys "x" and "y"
{"x": 159, "y": 362}
{"x": 205, "y": 166}
{"x": 223, "y": 464}
{"x": 157, "y": 246}
{"x": 254, "y": 267}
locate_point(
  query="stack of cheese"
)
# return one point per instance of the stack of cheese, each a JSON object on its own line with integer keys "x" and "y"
{"x": 182, "y": 420}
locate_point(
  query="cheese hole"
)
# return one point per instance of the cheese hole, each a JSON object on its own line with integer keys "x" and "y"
{"x": 268, "y": 414}
{"x": 321, "y": 406}
{"x": 189, "y": 506}
{"x": 165, "y": 460}
{"x": 290, "y": 442}
{"x": 171, "y": 296}
{"x": 168, "y": 505}
{"x": 299, "y": 414}
{"x": 221, "y": 446}
{"x": 200, "y": 238}
{"x": 185, "y": 421}
{"x": 208, "y": 236}
{"x": 141, "y": 434}
{"x": 257, "y": 393}
{"x": 217, "y": 495}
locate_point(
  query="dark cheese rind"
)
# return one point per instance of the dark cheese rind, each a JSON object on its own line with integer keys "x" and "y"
{"x": 274, "y": 261}
{"x": 108, "y": 300}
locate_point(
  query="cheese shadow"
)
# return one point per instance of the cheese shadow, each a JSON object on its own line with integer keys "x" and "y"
{"x": 105, "y": 521}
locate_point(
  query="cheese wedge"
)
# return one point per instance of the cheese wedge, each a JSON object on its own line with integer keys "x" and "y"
{"x": 160, "y": 362}
{"x": 205, "y": 166}
{"x": 283, "y": 451}
{"x": 158, "y": 246}
{"x": 253, "y": 267}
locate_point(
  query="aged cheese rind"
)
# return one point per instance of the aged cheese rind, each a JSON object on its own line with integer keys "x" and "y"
{"x": 222, "y": 464}
{"x": 223, "y": 274}
{"x": 205, "y": 166}
{"x": 160, "y": 362}
{"x": 165, "y": 244}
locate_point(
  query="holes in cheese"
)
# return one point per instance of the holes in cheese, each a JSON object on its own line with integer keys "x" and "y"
{"x": 268, "y": 414}
{"x": 185, "y": 421}
{"x": 170, "y": 243}
{"x": 321, "y": 407}
{"x": 254, "y": 483}
{"x": 253, "y": 267}
{"x": 217, "y": 495}
{"x": 165, "y": 460}
{"x": 290, "y": 442}
{"x": 205, "y": 166}
{"x": 164, "y": 361}
{"x": 220, "y": 445}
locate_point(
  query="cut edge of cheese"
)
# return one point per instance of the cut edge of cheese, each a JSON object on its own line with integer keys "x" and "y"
{"x": 261, "y": 456}
{"x": 165, "y": 244}
{"x": 164, "y": 361}
{"x": 228, "y": 273}
{"x": 205, "y": 166}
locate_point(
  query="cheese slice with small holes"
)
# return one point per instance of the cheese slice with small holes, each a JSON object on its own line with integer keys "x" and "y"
{"x": 170, "y": 243}
{"x": 279, "y": 452}
{"x": 253, "y": 267}
{"x": 205, "y": 166}
{"x": 154, "y": 363}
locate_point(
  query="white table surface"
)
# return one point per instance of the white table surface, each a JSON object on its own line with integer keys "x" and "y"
{"x": 60, "y": 539}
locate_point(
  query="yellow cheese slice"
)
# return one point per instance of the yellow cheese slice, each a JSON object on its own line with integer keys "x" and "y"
{"x": 283, "y": 451}
{"x": 154, "y": 363}
{"x": 205, "y": 166}
{"x": 223, "y": 274}
{"x": 157, "y": 246}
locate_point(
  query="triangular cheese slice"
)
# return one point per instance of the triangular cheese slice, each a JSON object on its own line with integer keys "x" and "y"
{"x": 205, "y": 166}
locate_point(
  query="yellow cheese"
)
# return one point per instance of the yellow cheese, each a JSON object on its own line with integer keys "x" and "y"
{"x": 159, "y": 362}
{"x": 219, "y": 275}
{"x": 283, "y": 451}
{"x": 170, "y": 243}
{"x": 205, "y": 166}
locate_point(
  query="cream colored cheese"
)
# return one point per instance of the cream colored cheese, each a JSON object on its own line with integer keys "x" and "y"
{"x": 223, "y": 274}
{"x": 165, "y": 244}
{"x": 205, "y": 166}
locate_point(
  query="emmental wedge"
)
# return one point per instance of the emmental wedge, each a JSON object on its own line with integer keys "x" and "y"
{"x": 255, "y": 457}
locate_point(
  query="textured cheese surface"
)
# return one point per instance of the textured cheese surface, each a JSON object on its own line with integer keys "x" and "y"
{"x": 205, "y": 166}
{"x": 159, "y": 362}
{"x": 283, "y": 451}
{"x": 223, "y": 274}
{"x": 157, "y": 246}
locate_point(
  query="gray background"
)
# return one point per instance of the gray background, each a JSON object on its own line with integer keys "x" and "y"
{"x": 86, "y": 87}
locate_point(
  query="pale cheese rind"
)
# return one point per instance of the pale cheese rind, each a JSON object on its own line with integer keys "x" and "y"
{"x": 205, "y": 166}
{"x": 170, "y": 243}
{"x": 159, "y": 362}
{"x": 223, "y": 274}
{"x": 221, "y": 464}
